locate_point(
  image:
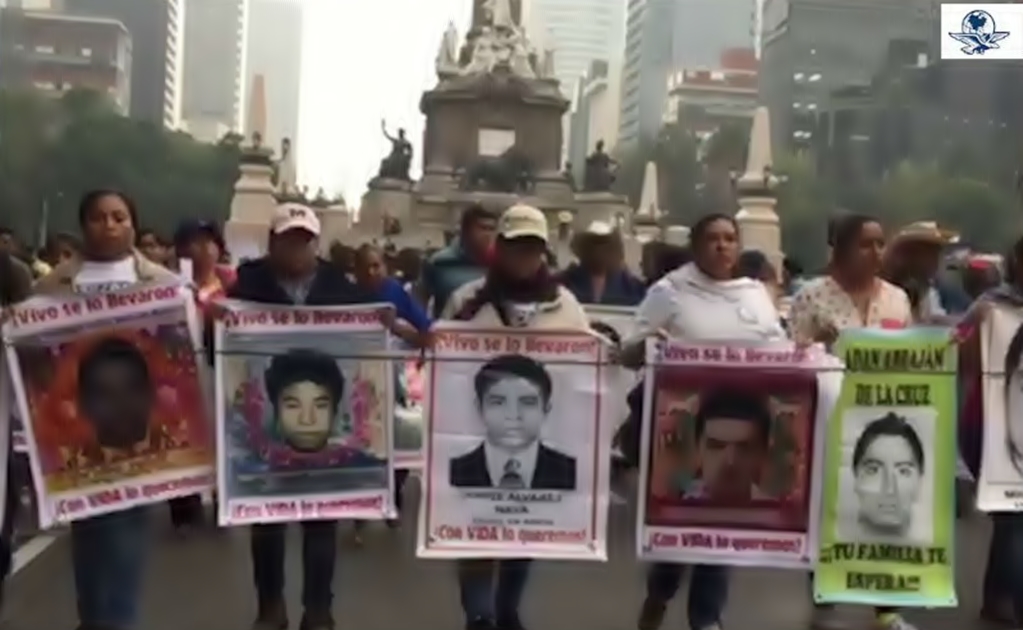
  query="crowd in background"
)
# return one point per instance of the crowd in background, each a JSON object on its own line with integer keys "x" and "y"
{"x": 499, "y": 271}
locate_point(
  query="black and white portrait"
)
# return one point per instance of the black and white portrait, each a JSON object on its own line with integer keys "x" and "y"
{"x": 512, "y": 395}
{"x": 887, "y": 489}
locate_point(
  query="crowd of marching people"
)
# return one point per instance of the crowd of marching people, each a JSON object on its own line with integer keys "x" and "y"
{"x": 499, "y": 272}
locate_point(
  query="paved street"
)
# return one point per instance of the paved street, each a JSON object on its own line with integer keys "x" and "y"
{"x": 203, "y": 583}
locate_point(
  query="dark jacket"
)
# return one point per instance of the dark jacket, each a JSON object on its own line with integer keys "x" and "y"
{"x": 444, "y": 273}
{"x": 256, "y": 282}
{"x": 15, "y": 280}
{"x": 554, "y": 470}
{"x": 622, "y": 288}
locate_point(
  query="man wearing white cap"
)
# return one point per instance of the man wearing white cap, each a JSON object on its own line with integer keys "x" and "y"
{"x": 292, "y": 274}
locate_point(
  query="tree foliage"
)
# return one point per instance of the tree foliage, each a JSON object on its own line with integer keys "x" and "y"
{"x": 53, "y": 151}
{"x": 959, "y": 189}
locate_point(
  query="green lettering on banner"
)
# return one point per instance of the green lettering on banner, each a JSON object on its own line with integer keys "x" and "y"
{"x": 887, "y": 515}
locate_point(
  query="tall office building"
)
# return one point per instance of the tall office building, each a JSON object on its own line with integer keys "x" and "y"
{"x": 579, "y": 32}
{"x": 214, "y": 78}
{"x": 155, "y": 27}
{"x": 275, "y": 52}
{"x": 811, "y": 49}
{"x": 664, "y": 35}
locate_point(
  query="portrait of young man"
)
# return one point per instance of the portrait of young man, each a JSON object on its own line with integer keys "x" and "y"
{"x": 513, "y": 402}
{"x": 888, "y": 470}
{"x": 732, "y": 431}
{"x": 305, "y": 389}
{"x": 116, "y": 396}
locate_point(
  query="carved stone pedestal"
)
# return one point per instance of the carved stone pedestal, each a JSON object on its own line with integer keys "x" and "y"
{"x": 602, "y": 206}
{"x": 252, "y": 206}
{"x": 386, "y": 198}
{"x": 759, "y": 228}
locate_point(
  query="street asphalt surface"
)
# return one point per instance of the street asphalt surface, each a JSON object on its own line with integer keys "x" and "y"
{"x": 203, "y": 582}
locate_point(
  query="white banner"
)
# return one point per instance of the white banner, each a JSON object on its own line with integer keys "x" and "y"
{"x": 518, "y": 445}
{"x": 304, "y": 405}
{"x": 1001, "y": 470}
{"x": 112, "y": 390}
{"x": 732, "y": 444}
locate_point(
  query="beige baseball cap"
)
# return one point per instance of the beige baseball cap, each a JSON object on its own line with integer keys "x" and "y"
{"x": 520, "y": 221}
{"x": 294, "y": 216}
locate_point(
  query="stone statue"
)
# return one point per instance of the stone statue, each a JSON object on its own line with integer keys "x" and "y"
{"x": 519, "y": 61}
{"x": 483, "y": 58}
{"x": 286, "y": 175}
{"x": 397, "y": 163}
{"x": 447, "y": 56}
{"x": 499, "y": 13}
{"x": 566, "y": 173}
{"x": 510, "y": 172}
{"x": 546, "y": 64}
{"x": 257, "y": 140}
{"x": 600, "y": 169}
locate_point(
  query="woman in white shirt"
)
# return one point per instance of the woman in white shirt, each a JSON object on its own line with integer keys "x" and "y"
{"x": 701, "y": 301}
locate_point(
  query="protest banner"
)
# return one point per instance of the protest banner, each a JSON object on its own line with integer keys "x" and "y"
{"x": 888, "y": 515}
{"x": 616, "y": 323}
{"x": 730, "y": 455}
{"x": 304, "y": 404}
{"x": 1000, "y": 488}
{"x": 408, "y": 414}
{"x": 111, "y": 388}
{"x": 518, "y": 465}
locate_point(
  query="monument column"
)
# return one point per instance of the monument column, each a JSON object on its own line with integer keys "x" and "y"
{"x": 757, "y": 219}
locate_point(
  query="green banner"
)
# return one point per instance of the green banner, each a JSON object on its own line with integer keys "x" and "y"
{"x": 888, "y": 517}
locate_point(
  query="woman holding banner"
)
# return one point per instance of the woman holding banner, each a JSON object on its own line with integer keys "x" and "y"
{"x": 518, "y": 291}
{"x": 108, "y": 551}
{"x": 701, "y": 301}
{"x": 852, "y": 295}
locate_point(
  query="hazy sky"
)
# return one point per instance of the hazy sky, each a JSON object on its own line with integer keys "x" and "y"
{"x": 363, "y": 60}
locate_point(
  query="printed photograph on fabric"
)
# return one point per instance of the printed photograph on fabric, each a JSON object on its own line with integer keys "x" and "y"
{"x": 886, "y": 488}
{"x": 115, "y": 403}
{"x": 408, "y": 408}
{"x": 1004, "y": 462}
{"x": 731, "y": 447}
{"x": 300, "y": 421}
{"x": 514, "y": 402}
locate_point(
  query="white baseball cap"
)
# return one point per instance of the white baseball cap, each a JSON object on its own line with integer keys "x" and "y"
{"x": 294, "y": 216}
{"x": 520, "y": 221}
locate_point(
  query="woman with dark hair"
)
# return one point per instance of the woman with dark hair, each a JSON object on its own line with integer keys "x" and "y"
{"x": 518, "y": 291}
{"x": 852, "y": 295}
{"x": 703, "y": 300}
{"x": 107, "y": 552}
{"x": 152, "y": 246}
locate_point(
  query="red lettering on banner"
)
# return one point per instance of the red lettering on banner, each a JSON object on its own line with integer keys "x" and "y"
{"x": 246, "y": 512}
{"x": 700, "y": 540}
{"x": 23, "y": 316}
{"x": 449, "y": 532}
{"x": 281, "y": 508}
{"x": 482, "y": 532}
{"x": 136, "y": 298}
{"x": 553, "y": 345}
{"x": 104, "y": 498}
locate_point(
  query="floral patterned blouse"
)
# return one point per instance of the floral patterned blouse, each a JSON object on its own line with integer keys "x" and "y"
{"x": 822, "y": 303}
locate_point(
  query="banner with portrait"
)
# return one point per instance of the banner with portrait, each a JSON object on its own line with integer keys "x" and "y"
{"x": 113, "y": 392}
{"x": 888, "y": 513}
{"x": 304, "y": 403}
{"x": 408, "y": 412}
{"x": 730, "y": 455}
{"x": 1000, "y": 488}
{"x": 518, "y": 445}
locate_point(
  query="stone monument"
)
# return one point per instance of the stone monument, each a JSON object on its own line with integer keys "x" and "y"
{"x": 493, "y": 136}
{"x": 756, "y": 187}
{"x": 254, "y": 199}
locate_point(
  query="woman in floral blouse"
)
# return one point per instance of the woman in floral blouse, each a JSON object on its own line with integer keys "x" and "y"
{"x": 852, "y": 295}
